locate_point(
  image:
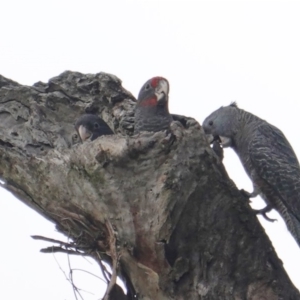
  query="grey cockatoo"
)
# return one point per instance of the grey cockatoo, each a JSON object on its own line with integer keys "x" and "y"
{"x": 152, "y": 112}
{"x": 267, "y": 157}
{"x": 91, "y": 126}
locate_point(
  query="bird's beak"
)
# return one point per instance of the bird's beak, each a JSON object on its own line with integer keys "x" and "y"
{"x": 162, "y": 91}
{"x": 210, "y": 138}
{"x": 225, "y": 141}
{"x": 84, "y": 133}
{"x": 222, "y": 140}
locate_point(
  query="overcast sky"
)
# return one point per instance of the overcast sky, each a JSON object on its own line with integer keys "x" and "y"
{"x": 211, "y": 52}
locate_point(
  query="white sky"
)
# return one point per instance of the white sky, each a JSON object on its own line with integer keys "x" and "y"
{"x": 211, "y": 52}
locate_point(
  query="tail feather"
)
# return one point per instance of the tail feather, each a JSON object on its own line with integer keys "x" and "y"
{"x": 293, "y": 225}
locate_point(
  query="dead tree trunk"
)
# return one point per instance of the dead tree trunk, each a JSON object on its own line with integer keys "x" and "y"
{"x": 158, "y": 207}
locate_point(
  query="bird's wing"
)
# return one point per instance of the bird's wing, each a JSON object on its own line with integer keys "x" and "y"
{"x": 276, "y": 164}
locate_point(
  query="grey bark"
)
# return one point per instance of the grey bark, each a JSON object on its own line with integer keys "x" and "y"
{"x": 159, "y": 207}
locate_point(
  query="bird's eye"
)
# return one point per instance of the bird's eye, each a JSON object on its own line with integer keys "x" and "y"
{"x": 96, "y": 125}
{"x": 210, "y": 123}
{"x": 147, "y": 87}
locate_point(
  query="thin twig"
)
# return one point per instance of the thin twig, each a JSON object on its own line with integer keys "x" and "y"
{"x": 115, "y": 259}
{"x": 75, "y": 288}
{"x": 54, "y": 249}
{"x": 43, "y": 238}
{"x": 67, "y": 245}
{"x": 68, "y": 279}
{"x": 90, "y": 274}
{"x": 103, "y": 268}
{"x": 71, "y": 278}
{"x": 61, "y": 268}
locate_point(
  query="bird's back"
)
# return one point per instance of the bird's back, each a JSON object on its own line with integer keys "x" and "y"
{"x": 274, "y": 168}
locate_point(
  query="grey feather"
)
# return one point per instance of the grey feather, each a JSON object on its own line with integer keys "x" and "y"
{"x": 267, "y": 157}
{"x": 152, "y": 112}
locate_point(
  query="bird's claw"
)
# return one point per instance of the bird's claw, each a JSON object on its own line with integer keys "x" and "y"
{"x": 267, "y": 218}
{"x": 263, "y": 212}
{"x": 246, "y": 194}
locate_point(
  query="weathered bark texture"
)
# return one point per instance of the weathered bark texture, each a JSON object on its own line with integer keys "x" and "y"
{"x": 158, "y": 206}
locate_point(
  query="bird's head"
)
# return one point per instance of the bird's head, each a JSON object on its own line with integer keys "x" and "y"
{"x": 155, "y": 92}
{"x": 222, "y": 124}
{"x": 91, "y": 126}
